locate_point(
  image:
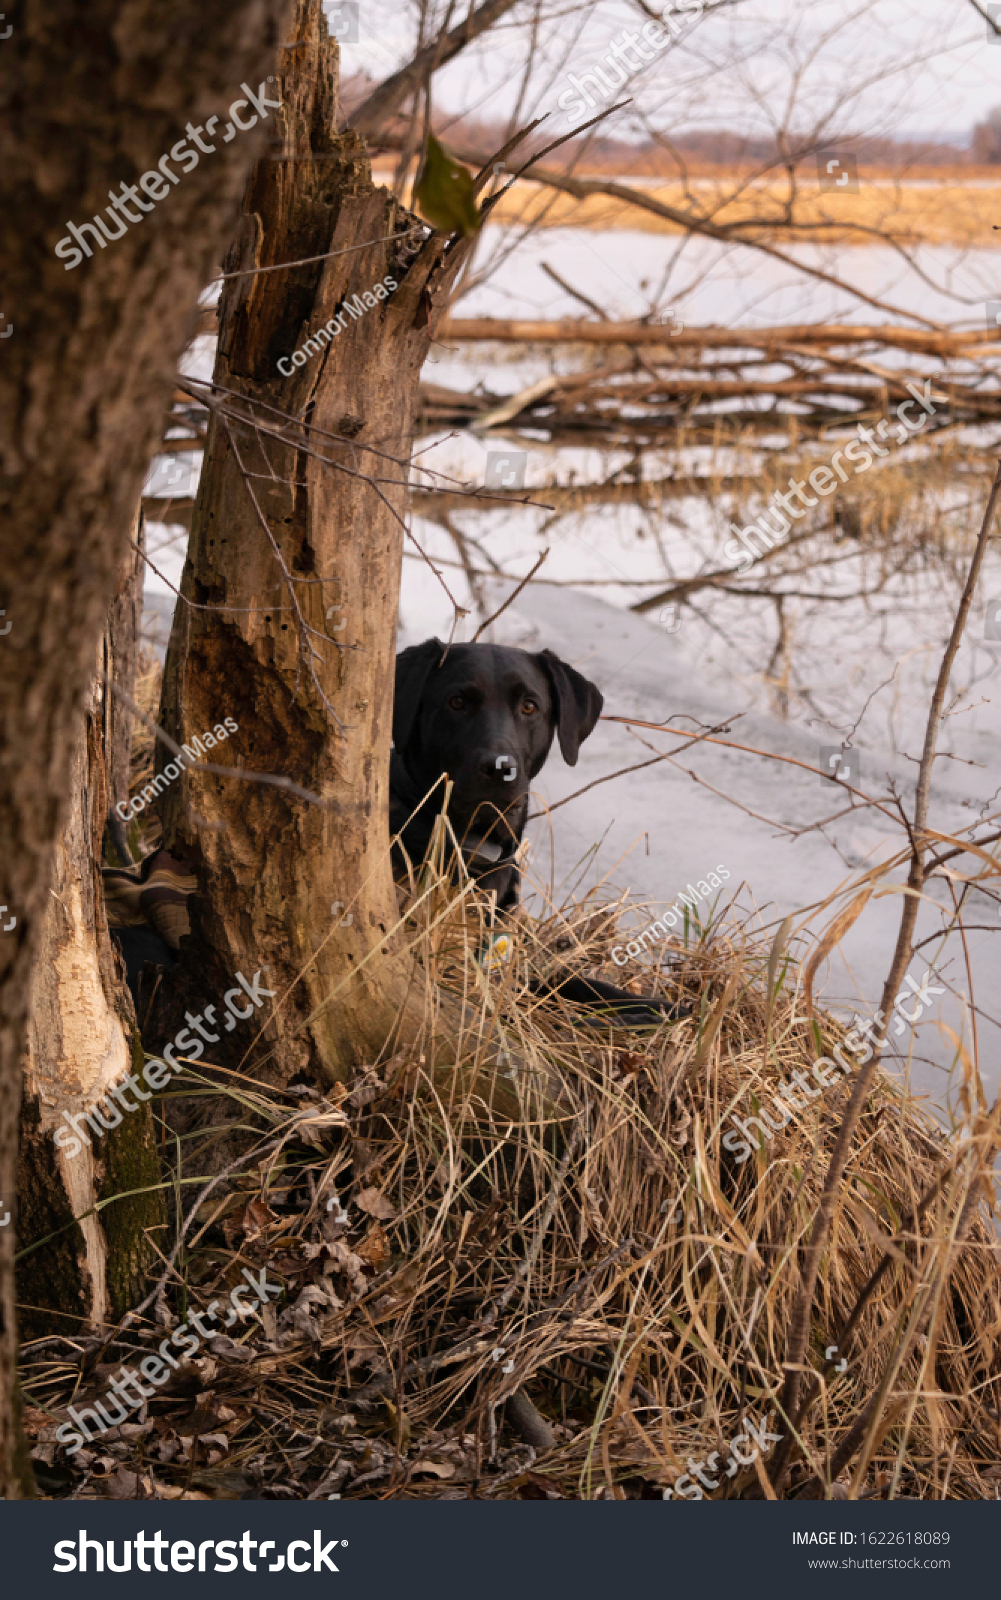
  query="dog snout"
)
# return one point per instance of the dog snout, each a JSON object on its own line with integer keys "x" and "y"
{"x": 499, "y": 768}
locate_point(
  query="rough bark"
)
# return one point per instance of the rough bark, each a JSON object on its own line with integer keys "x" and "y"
{"x": 120, "y": 661}
{"x": 85, "y": 378}
{"x": 82, "y": 1039}
{"x": 271, "y": 865}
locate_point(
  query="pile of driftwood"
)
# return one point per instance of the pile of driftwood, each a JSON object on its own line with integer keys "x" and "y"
{"x": 650, "y": 382}
{"x": 652, "y": 385}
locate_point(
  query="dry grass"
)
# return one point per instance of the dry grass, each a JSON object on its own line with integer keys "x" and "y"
{"x": 936, "y": 211}
{"x": 506, "y": 1231}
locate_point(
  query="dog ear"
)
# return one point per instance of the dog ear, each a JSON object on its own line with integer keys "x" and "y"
{"x": 413, "y": 666}
{"x": 578, "y": 703}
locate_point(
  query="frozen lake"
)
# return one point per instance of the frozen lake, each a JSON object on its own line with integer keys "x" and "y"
{"x": 652, "y": 832}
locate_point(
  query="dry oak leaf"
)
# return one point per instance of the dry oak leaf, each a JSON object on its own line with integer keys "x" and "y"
{"x": 374, "y": 1248}
{"x": 374, "y": 1202}
{"x": 630, "y": 1061}
{"x": 255, "y": 1218}
{"x": 345, "y": 1260}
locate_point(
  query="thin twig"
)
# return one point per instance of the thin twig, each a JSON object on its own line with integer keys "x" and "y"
{"x": 304, "y": 261}
{"x": 799, "y": 1332}
{"x": 511, "y": 597}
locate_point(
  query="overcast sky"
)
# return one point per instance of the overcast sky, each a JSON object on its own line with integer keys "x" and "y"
{"x": 920, "y": 69}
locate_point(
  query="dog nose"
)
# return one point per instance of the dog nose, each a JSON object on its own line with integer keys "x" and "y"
{"x": 504, "y": 768}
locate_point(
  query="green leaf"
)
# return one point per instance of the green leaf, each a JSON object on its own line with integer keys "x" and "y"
{"x": 444, "y": 192}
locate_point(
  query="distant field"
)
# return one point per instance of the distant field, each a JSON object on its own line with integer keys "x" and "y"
{"x": 943, "y": 208}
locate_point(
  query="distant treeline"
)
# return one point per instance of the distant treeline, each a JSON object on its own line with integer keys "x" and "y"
{"x": 711, "y": 148}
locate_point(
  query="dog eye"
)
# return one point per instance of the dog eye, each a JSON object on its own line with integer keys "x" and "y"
{"x": 456, "y": 703}
{"x": 529, "y": 706}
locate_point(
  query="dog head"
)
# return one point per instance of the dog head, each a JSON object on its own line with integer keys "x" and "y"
{"x": 486, "y": 716}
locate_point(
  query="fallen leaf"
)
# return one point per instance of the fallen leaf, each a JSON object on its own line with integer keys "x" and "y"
{"x": 364, "y": 1156}
{"x": 434, "y": 1469}
{"x": 369, "y": 1089}
{"x": 374, "y": 1202}
{"x": 124, "y": 1485}
{"x": 374, "y": 1248}
{"x": 35, "y": 1423}
{"x": 255, "y": 1218}
{"x": 360, "y": 1348}
{"x": 313, "y": 1295}
{"x": 344, "y": 1260}
{"x": 630, "y": 1061}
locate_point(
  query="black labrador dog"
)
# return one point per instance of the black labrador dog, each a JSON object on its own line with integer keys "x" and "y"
{"x": 486, "y": 715}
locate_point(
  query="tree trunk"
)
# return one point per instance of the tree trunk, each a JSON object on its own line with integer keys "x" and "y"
{"x": 309, "y": 554}
{"x": 84, "y": 381}
{"x": 82, "y": 1039}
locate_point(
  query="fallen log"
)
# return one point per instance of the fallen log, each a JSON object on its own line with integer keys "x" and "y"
{"x": 570, "y": 330}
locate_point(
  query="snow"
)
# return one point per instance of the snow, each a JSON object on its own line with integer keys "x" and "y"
{"x": 652, "y": 832}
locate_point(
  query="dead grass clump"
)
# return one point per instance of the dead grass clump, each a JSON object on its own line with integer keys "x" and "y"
{"x": 558, "y": 1220}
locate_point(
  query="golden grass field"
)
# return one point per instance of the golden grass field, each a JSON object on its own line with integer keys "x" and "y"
{"x": 932, "y": 212}
{"x": 957, "y": 208}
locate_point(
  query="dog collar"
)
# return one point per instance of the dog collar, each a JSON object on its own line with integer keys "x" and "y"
{"x": 479, "y": 849}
